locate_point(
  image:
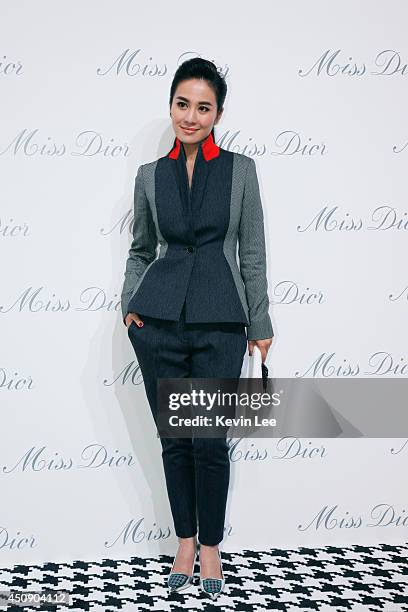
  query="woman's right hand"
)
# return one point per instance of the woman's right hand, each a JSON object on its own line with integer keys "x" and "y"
{"x": 133, "y": 316}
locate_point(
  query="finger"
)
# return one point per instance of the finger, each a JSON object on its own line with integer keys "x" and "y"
{"x": 133, "y": 316}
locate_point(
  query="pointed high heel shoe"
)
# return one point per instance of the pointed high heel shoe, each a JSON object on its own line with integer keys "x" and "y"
{"x": 176, "y": 581}
{"x": 213, "y": 586}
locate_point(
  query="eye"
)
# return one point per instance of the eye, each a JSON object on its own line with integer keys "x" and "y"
{"x": 182, "y": 104}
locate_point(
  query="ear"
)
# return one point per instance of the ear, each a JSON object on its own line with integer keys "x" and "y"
{"x": 219, "y": 116}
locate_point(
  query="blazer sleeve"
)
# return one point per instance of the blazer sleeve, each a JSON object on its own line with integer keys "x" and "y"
{"x": 143, "y": 247}
{"x": 252, "y": 256}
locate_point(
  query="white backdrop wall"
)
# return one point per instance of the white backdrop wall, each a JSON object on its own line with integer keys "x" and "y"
{"x": 317, "y": 95}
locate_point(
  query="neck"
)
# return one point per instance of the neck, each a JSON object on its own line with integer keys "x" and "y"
{"x": 190, "y": 150}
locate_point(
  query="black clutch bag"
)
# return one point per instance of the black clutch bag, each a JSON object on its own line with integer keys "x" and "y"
{"x": 265, "y": 373}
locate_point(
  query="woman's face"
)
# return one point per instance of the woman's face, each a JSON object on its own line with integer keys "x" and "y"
{"x": 194, "y": 106}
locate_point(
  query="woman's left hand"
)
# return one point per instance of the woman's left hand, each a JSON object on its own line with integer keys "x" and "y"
{"x": 263, "y": 345}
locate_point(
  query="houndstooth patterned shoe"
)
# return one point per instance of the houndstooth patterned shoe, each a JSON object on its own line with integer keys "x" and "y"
{"x": 213, "y": 586}
{"x": 177, "y": 581}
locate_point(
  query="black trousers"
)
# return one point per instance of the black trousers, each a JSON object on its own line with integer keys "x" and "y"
{"x": 197, "y": 470}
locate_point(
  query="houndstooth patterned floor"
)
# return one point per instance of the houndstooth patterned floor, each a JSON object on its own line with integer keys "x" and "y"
{"x": 356, "y": 578}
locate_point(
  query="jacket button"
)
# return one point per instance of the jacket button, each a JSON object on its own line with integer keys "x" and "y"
{"x": 190, "y": 249}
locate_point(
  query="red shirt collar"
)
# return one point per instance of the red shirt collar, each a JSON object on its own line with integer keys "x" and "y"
{"x": 208, "y": 147}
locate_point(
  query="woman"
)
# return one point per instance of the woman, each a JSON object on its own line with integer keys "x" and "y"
{"x": 186, "y": 310}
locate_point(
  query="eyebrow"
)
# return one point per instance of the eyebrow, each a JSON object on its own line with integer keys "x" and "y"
{"x": 187, "y": 100}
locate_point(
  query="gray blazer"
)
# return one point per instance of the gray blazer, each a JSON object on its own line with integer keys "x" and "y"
{"x": 197, "y": 232}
